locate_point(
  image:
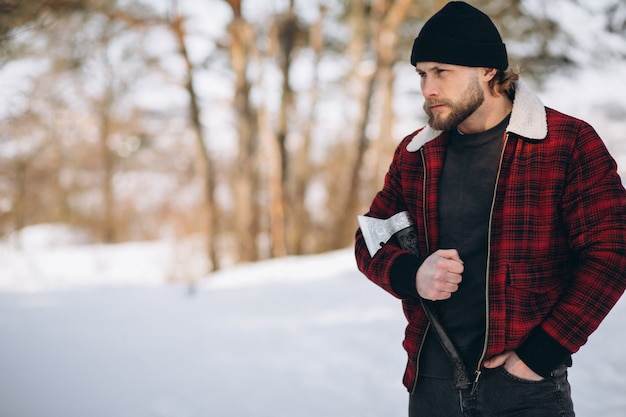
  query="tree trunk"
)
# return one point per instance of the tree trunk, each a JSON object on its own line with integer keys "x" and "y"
{"x": 387, "y": 16}
{"x": 108, "y": 198}
{"x": 282, "y": 212}
{"x": 299, "y": 234}
{"x": 104, "y": 109}
{"x": 204, "y": 168}
{"x": 247, "y": 182}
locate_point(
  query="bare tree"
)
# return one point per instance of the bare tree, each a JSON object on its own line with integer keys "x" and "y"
{"x": 300, "y": 235}
{"x": 247, "y": 181}
{"x": 377, "y": 24}
{"x": 80, "y": 110}
{"x": 204, "y": 163}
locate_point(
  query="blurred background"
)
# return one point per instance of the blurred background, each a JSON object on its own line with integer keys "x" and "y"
{"x": 256, "y": 128}
{"x": 179, "y": 185}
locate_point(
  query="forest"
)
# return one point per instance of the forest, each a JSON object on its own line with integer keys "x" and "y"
{"x": 260, "y": 128}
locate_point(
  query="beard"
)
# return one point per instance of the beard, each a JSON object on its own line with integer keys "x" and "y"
{"x": 472, "y": 99}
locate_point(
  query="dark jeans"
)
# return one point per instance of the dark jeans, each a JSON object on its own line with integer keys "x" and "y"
{"x": 498, "y": 394}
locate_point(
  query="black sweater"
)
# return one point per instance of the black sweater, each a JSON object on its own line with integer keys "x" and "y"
{"x": 465, "y": 196}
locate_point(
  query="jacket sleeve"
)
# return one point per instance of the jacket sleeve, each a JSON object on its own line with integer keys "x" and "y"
{"x": 594, "y": 212}
{"x": 391, "y": 268}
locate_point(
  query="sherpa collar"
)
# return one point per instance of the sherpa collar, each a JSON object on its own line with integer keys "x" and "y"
{"x": 528, "y": 119}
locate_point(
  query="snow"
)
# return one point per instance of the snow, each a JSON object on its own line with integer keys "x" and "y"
{"x": 100, "y": 331}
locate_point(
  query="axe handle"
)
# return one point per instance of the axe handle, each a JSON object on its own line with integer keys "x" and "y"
{"x": 407, "y": 239}
{"x": 460, "y": 377}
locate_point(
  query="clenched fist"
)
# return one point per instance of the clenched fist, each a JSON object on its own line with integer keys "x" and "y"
{"x": 440, "y": 275}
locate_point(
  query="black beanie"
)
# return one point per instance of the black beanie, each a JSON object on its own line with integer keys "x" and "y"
{"x": 460, "y": 34}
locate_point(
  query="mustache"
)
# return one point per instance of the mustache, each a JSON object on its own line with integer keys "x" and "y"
{"x": 429, "y": 103}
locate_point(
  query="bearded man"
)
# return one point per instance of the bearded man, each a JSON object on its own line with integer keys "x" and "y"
{"x": 519, "y": 218}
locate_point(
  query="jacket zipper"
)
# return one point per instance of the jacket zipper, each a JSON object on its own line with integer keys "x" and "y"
{"x": 478, "y": 371}
{"x": 421, "y": 346}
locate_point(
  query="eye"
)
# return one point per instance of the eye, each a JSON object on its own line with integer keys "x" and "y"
{"x": 422, "y": 74}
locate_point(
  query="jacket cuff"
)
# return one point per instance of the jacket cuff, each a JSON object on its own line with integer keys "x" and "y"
{"x": 542, "y": 353}
{"x": 402, "y": 275}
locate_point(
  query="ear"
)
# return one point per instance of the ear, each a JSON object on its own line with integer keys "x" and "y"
{"x": 489, "y": 73}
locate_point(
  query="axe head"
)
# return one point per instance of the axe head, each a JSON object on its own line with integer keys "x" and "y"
{"x": 377, "y": 232}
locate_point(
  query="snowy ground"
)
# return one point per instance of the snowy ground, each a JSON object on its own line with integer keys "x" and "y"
{"x": 298, "y": 337}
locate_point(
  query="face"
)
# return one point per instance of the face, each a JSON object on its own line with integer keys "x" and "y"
{"x": 452, "y": 93}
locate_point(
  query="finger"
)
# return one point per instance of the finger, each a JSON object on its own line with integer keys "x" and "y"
{"x": 453, "y": 278}
{"x": 449, "y": 265}
{"x": 442, "y": 291}
{"x": 454, "y": 267}
{"x": 495, "y": 361}
{"x": 451, "y": 254}
{"x": 444, "y": 280}
{"x": 450, "y": 288}
{"x": 455, "y": 262}
{"x": 441, "y": 295}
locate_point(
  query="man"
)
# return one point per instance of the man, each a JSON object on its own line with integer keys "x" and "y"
{"x": 520, "y": 220}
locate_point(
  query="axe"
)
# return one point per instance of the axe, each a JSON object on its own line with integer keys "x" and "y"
{"x": 377, "y": 232}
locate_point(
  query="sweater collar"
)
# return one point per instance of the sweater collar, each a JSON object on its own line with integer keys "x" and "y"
{"x": 528, "y": 119}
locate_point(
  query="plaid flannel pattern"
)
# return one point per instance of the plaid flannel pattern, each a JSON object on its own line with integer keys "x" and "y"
{"x": 557, "y": 239}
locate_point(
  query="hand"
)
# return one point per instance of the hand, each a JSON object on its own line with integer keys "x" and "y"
{"x": 513, "y": 365}
{"x": 440, "y": 275}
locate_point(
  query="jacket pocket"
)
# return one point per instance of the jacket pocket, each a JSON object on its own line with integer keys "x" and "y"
{"x": 536, "y": 277}
{"x": 533, "y": 288}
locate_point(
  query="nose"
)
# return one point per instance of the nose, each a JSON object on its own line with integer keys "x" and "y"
{"x": 429, "y": 87}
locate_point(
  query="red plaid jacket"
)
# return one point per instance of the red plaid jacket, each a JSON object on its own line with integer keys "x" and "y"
{"x": 557, "y": 248}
